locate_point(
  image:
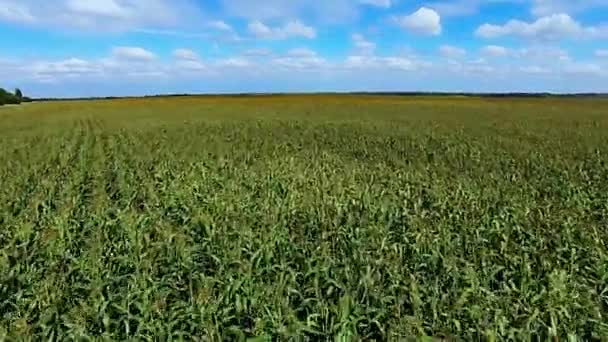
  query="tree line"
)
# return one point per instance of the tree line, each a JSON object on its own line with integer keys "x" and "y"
{"x": 6, "y": 97}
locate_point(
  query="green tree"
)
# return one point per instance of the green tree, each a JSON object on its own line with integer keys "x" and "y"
{"x": 18, "y": 93}
{"x": 3, "y": 96}
{"x": 8, "y": 98}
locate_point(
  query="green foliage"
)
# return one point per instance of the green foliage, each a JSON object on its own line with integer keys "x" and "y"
{"x": 342, "y": 218}
{"x": 8, "y": 98}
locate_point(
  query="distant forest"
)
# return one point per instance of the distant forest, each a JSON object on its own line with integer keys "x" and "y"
{"x": 17, "y": 97}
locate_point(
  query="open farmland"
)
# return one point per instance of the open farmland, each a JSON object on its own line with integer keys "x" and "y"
{"x": 317, "y": 216}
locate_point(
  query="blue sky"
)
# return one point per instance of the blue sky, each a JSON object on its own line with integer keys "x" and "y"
{"x": 135, "y": 47}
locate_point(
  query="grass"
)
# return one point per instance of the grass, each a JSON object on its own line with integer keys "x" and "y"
{"x": 326, "y": 217}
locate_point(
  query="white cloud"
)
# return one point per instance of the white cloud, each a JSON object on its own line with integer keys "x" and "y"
{"x": 259, "y": 52}
{"x": 101, "y": 15}
{"x": 124, "y": 63}
{"x": 449, "y": 51}
{"x": 172, "y": 33}
{"x": 297, "y": 29}
{"x": 186, "y": 54}
{"x": 585, "y": 68}
{"x": 258, "y": 29}
{"x": 535, "y": 70}
{"x": 362, "y": 45}
{"x": 301, "y": 52}
{"x": 424, "y": 21}
{"x": 72, "y": 67}
{"x": 494, "y": 51}
{"x": 133, "y": 53}
{"x": 401, "y": 63}
{"x": 601, "y": 53}
{"x": 220, "y": 25}
{"x": 376, "y": 62}
{"x": 224, "y": 32}
{"x": 99, "y": 8}
{"x": 377, "y": 3}
{"x": 474, "y": 67}
{"x": 77, "y": 69}
{"x": 190, "y": 65}
{"x": 289, "y": 30}
{"x": 553, "y": 27}
{"x": 543, "y": 53}
{"x": 549, "y": 7}
{"x": 300, "y": 61}
{"x": 234, "y": 62}
{"x": 14, "y": 11}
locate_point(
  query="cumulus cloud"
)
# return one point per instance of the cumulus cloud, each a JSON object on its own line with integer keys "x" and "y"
{"x": 48, "y": 71}
{"x": 133, "y": 53}
{"x": 122, "y": 63}
{"x": 102, "y": 8}
{"x": 234, "y": 62}
{"x": 494, "y": 51}
{"x": 102, "y": 15}
{"x": 186, "y": 54}
{"x": 535, "y": 70}
{"x": 549, "y": 7}
{"x": 302, "y": 52}
{"x": 585, "y": 68}
{"x": 259, "y": 52}
{"x": 14, "y": 11}
{"x": 291, "y": 29}
{"x": 362, "y": 45}
{"x": 544, "y": 53}
{"x": 472, "y": 67}
{"x": 377, "y": 3}
{"x": 300, "y": 59}
{"x": 424, "y": 21}
{"x": 449, "y": 51}
{"x": 553, "y": 27}
{"x": 190, "y": 65}
{"x": 307, "y": 63}
{"x": 383, "y": 63}
{"x": 220, "y": 25}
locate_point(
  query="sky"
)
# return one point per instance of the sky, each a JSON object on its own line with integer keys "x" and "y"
{"x": 73, "y": 48}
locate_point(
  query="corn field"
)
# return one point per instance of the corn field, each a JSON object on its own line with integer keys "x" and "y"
{"x": 306, "y": 218}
